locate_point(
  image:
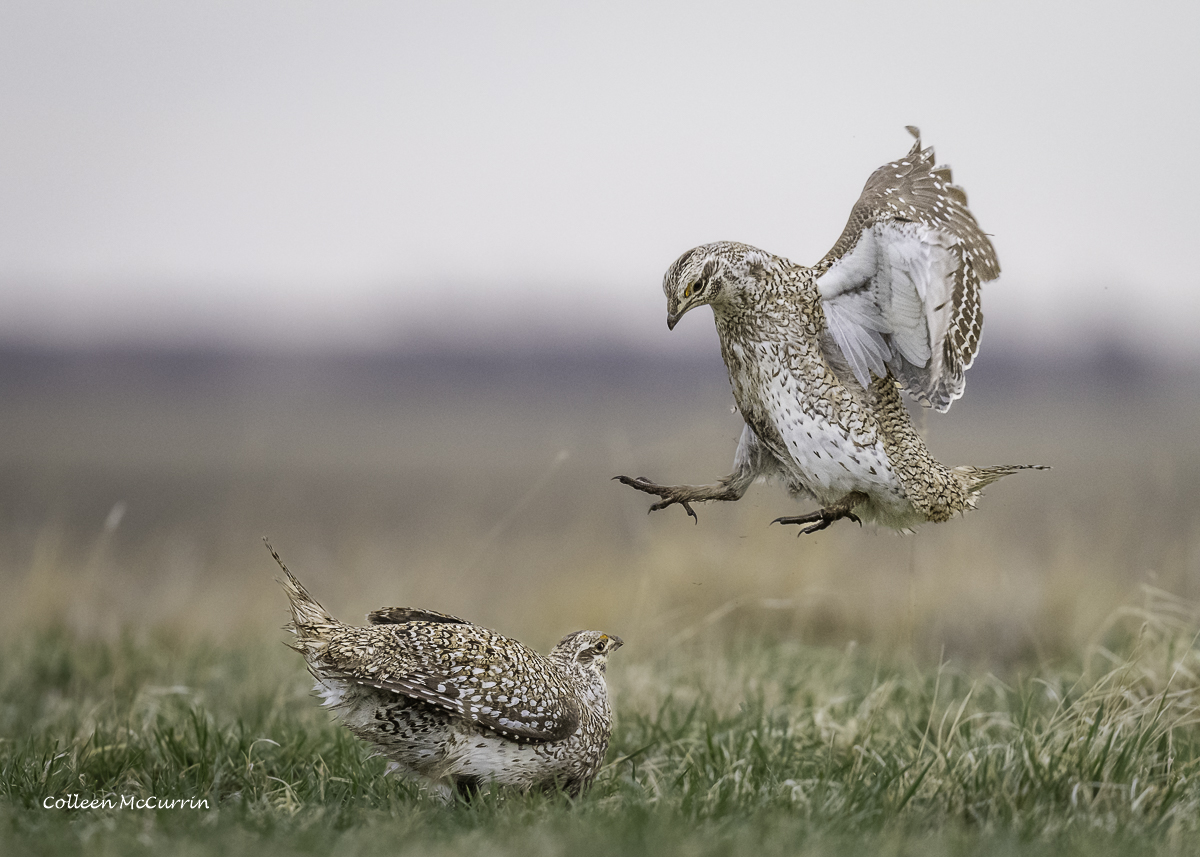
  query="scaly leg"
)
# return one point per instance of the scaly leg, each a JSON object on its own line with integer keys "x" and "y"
{"x": 822, "y": 518}
{"x": 684, "y": 495}
{"x": 749, "y": 462}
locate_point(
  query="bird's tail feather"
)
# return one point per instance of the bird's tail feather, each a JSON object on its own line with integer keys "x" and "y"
{"x": 975, "y": 479}
{"x": 307, "y": 614}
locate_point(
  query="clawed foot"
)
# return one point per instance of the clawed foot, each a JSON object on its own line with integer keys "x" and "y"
{"x": 669, "y": 494}
{"x": 822, "y": 518}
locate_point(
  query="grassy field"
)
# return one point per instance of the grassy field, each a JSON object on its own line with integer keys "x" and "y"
{"x": 748, "y": 743}
{"x": 1021, "y": 680}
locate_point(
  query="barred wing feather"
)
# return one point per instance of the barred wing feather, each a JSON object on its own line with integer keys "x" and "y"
{"x": 900, "y": 288}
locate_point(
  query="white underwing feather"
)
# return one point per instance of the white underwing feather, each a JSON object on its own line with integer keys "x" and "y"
{"x": 889, "y": 302}
{"x": 907, "y": 270}
{"x": 853, "y": 327}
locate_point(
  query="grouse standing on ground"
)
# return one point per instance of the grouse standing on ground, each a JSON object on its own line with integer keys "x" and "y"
{"x": 458, "y": 707}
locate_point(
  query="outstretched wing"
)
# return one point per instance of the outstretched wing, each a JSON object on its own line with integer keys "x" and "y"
{"x": 900, "y": 288}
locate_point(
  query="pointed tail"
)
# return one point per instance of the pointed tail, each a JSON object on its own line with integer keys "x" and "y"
{"x": 307, "y": 614}
{"x": 975, "y": 479}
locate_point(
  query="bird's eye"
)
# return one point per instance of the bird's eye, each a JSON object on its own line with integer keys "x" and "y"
{"x": 599, "y": 648}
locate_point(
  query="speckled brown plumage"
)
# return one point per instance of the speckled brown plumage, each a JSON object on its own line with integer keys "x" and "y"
{"x": 456, "y": 706}
{"x": 815, "y": 355}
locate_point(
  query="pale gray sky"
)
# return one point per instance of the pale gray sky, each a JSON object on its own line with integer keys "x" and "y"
{"x": 370, "y": 173}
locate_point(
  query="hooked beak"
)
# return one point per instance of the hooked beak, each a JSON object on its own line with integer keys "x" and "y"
{"x": 673, "y": 319}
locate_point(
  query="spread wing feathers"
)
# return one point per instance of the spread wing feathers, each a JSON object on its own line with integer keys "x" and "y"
{"x": 401, "y": 615}
{"x": 900, "y": 288}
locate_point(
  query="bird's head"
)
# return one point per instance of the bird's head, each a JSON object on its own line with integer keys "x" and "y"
{"x": 711, "y": 274}
{"x": 588, "y": 649}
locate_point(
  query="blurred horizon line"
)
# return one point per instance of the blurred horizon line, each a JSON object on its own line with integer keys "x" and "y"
{"x": 1109, "y": 359}
{"x": 513, "y": 314}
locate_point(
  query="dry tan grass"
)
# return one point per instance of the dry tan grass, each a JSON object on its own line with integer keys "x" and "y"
{"x": 483, "y": 489}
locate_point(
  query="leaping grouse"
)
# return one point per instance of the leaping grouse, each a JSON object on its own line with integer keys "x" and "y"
{"x": 816, "y": 355}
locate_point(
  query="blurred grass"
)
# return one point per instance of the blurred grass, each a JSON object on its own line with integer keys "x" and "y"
{"x": 135, "y": 488}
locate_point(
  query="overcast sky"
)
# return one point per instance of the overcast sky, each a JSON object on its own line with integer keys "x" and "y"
{"x": 376, "y": 174}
